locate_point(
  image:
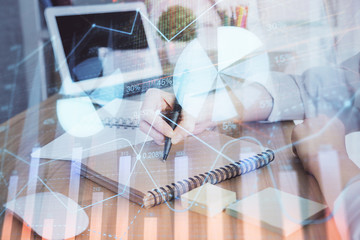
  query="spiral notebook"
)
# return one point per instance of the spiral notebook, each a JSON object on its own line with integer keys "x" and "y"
{"x": 147, "y": 180}
{"x": 123, "y": 159}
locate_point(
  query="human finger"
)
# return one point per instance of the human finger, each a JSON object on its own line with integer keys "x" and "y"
{"x": 156, "y": 136}
{"x": 199, "y": 128}
{"x": 157, "y": 99}
{"x": 185, "y": 127}
{"x": 154, "y": 119}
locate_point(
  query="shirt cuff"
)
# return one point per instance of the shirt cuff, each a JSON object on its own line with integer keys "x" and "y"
{"x": 287, "y": 102}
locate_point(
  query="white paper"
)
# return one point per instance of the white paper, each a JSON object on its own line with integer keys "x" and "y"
{"x": 107, "y": 140}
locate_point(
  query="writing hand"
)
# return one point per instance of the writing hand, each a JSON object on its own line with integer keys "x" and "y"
{"x": 158, "y": 102}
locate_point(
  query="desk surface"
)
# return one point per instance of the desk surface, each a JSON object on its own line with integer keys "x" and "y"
{"x": 117, "y": 217}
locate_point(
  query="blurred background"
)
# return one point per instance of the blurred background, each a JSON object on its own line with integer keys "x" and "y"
{"x": 298, "y": 33}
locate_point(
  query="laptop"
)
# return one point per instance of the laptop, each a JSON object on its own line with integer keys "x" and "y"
{"x": 101, "y": 47}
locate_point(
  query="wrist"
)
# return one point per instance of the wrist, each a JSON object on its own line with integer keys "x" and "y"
{"x": 256, "y": 103}
{"x": 323, "y": 155}
{"x": 341, "y": 166}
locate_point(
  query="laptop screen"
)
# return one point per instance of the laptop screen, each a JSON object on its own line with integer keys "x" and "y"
{"x": 102, "y": 44}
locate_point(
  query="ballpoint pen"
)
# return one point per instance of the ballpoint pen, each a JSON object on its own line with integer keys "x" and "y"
{"x": 175, "y": 114}
{"x": 174, "y": 119}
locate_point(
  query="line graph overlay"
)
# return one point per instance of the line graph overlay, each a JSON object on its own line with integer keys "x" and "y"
{"x": 275, "y": 150}
{"x": 138, "y": 157}
{"x": 187, "y": 26}
{"x": 219, "y": 154}
{"x": 324, "y": 219}
{"x": 132, "y": 29}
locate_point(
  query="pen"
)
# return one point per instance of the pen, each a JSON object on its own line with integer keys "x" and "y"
{"x": 176, "y": 113}
{"x": 174, "y": 119}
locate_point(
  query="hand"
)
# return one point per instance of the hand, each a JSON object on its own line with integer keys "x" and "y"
{"x": 156, "y": 103}
{"x": 309, "y": 137}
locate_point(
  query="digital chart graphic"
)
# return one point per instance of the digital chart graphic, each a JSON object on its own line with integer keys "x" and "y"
{"x": 238, "y": 58}
{"x": 89, "y": 148}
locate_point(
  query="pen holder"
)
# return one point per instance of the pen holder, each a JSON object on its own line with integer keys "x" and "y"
{"x": 234, "y": 14}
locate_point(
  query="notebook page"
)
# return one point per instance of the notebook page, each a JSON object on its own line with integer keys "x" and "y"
{"x": 109, "y": 139}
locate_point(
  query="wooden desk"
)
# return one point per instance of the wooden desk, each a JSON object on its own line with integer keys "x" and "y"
{"x": 121, "y": 218}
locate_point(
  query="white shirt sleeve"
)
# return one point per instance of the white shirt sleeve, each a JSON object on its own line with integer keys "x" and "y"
{"x": 287, "y": 102}
{"x": 319, "y": 90}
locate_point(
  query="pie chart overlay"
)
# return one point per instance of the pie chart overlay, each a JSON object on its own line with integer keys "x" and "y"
{"x": 237, "y": 58}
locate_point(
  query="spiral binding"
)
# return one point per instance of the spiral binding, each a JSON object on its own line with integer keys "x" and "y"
{"x": 121, "y": 122}
{"x": 174, "y": 190}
